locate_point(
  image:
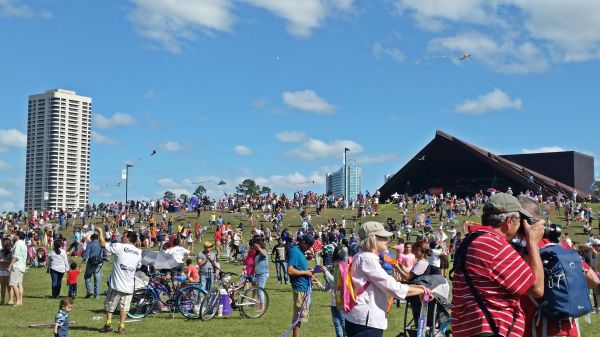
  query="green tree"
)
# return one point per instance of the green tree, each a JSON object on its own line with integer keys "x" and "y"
{"x": 169, "y": 195}
{"x": 248, "y": 187}
{"x": 596, "y": 189}
{"x": 265, "y": 190}
{"x": 200, "y": 190}
{"x": 183, "y": 197}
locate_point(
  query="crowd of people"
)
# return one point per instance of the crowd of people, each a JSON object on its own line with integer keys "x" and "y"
{"x": 422, "y": 240}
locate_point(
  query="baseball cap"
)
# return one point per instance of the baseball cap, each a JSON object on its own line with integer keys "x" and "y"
{"x": 596, "y": 242}
{"x": 501, "y": 203}
{"x": 308, "y": 239}
{"x": 372, "y": 228}
{"x": 207, "y": 244}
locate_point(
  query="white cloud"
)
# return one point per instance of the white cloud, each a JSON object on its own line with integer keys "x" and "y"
{"x": 102, "y": 139}
{"x": 563, "y": 31}
{"x": 492, "y": 101}
{"x": 150, "y": 93}
{"x": 16, "y": 9}
{"x": 317, "y": 149}
{"x": 117, "y": 119}
{"x": 292, "y": 181}
{"x": 170, "y": 23}
{"x": 431, "y": 14}
{"x": 376, "y": 159}
{"x": 189, "y": 185}
{"x": 242, "y": 150}
{"x": 572, "y": 27}
{"x": 169, "y": 183}
{"x": 544, "y": 149}
{"x": 260, "y": 103}
{"x": 307, "y": 100}
{"x": 380, "y": 51}
{"x": 303, "y": 16}
{"x": 291, "y": 136}
{"x": 46, "y": 14}
{"x": 506, "y": 56}
{"x": 13, "y": 8}
{"x": 171, "y": 146}
{"x": 12, "y": 138}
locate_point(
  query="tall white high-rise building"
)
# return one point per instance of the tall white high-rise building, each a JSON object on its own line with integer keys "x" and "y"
{"x": 346, "y": 180}
{"x": 57, "y": 173}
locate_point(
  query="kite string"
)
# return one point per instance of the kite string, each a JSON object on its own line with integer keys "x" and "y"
{"x": 307, "y": 297}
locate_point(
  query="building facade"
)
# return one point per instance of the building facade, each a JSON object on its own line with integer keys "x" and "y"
{"x": 334, "y": 182}
{"x": 57, "y": 173}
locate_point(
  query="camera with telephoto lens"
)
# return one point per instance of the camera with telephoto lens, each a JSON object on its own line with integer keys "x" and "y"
{"x": 551, "y": 233}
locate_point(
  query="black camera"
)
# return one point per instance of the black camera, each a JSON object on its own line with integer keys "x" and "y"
{"x": 552, "y": 232}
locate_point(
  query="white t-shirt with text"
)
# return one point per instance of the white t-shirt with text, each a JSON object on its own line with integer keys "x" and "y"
{"x": 127, "y": 260}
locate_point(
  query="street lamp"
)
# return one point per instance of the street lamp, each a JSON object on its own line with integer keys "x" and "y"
{"x": 127, "y": 180}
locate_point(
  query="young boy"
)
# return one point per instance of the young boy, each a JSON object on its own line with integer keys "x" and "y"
{"x": 72, "y": 276}
{"x": 192, "y": 272}
{"x": 61, "y": 320}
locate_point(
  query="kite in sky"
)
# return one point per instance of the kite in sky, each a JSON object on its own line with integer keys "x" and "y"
{"x": 465, "y": 57}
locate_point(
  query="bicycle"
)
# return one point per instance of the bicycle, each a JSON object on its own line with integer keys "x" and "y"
{"x": 187, "y": 299}
{"x": 251, "y": 302}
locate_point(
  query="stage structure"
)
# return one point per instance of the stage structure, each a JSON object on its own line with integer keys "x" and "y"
{"x": 448, "y": 164}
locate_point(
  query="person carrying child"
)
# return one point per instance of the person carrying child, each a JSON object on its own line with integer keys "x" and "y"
{"x": 72, "y": 276}
{"x": 61, "y": 320}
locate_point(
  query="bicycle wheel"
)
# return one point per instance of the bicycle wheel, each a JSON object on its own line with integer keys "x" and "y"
{"x": 142, "y": 303}
{"x": 253, "y": 302}
{"x": 189, "y": 300}
{"x": 210, "y": 305}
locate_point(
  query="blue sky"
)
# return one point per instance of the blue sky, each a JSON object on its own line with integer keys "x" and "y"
{"x": 273, "y": 90}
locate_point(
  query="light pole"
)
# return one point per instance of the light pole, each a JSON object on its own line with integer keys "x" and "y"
{"x": 346, "y": 178}
{"x": 127, "y": 180}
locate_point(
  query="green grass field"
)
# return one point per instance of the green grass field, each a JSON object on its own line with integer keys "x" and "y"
{"x": 40, "y": 308}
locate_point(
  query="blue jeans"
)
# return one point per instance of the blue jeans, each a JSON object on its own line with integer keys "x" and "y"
{"x": 357, "y": 330}
{"x": 281, "y": 268}
{"x": 206, "y": 280}
{"x": 338, "y": 322}
{"x": 96, "y": 272}
{"x": 73, "y": 290}
{"x": 56, "y": 282}
{"x": 261, "y": 281}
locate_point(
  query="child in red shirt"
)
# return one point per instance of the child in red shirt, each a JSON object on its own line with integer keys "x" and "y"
{"x": 72, "y": 276}
{"x": 192, "y": 273}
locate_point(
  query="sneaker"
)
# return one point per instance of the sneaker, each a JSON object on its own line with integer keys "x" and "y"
{"x": 120, "y": 330}
{"x": 106, "y": 328}
{"x": 89, "y": 295}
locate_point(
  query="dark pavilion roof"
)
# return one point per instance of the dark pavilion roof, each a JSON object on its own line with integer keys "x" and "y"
{"x": 464, "y": 169}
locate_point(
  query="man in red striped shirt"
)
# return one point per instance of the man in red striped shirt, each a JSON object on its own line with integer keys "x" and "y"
{"x": 498, "y": 274}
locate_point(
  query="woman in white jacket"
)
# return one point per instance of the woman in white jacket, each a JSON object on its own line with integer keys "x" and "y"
{"x": 367, "y": 318}
{"x": 58, "y": 265}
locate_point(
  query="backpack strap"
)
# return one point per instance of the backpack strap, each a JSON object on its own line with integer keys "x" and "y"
{"x": 461, "y": 262}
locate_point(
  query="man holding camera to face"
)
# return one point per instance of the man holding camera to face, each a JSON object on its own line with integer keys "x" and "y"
{"x": 490, "y": 276}
{"x": 566, "y": 327}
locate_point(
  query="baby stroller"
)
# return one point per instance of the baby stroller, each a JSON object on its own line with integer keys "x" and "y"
{"x": 438, "y": 316}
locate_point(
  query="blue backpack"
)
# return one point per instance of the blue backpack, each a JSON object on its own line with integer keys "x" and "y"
{"x": 566, "y": 294}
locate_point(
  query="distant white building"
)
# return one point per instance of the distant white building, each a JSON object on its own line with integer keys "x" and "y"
{"x": 57, "y": 173}
{"x": 351, "y": 174}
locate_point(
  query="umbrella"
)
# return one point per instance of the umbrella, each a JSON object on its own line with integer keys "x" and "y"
{"x": 160, "y": 260}
{"x": 492, "y": 190}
